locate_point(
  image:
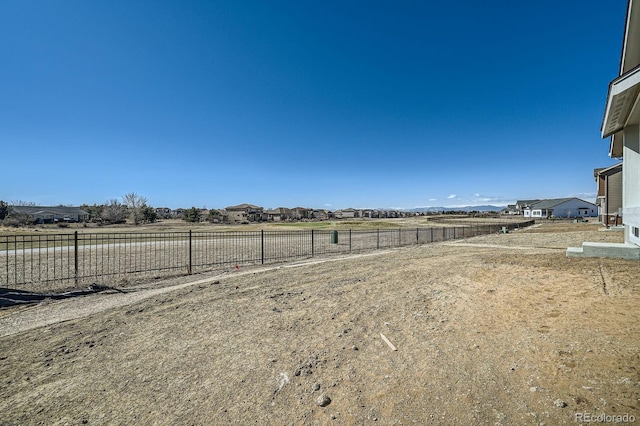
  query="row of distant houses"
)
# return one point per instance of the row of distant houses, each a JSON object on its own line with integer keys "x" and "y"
{"x": 242, "y": 213}
{"x": 245, "y": 213}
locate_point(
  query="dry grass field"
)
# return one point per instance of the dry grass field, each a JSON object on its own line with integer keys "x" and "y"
{"x": 176, "y": 225}
{"x": 42, "y": 259}
{"x": 498, "y": 329}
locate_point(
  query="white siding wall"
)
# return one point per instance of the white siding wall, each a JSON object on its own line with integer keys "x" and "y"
{"x": 570, "y": 209}
{"x": 631, "y": 183}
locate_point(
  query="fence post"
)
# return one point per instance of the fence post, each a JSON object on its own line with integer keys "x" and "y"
{"x": 417, "y": 236}
{"x": 378, "y": 238}
{"x": 399, "y": 237}
{"x": 311, "y": 242}
{"x": 75, "y": 251}
{"x": 349, "y": 240}
{"x": 190, "y": 259}
{"x": 6, "y": 241}
{"x": 262, "y": 245}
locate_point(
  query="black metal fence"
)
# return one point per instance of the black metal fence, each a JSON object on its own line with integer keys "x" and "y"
{"x": 64, "y": 261}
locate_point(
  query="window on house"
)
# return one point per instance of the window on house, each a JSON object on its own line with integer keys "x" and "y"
{"x": 636, "y": 232}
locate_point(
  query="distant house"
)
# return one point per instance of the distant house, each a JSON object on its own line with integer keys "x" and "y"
{"x": 609, "y": 198}
{"x": 367, "y": 213}
{"x": 561, "y": 208}
{"x": 302, "y": 213}
{"x": 320, "y": 214}
{"x": 40, "y": 214}
{"x": 245, "y": 213}
{"x": 510, "y": 210}
{"x": 164, "y": 212}
{"x": 345, "y": 213}
{"x": 521, "y": 205}
{"x": 279, "y": 214}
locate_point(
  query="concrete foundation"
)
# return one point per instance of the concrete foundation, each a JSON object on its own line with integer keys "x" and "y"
{"x": 610, "y": 250}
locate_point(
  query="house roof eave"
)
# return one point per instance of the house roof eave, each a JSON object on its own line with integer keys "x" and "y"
{"x": 621, "y": 98}
{"x": 611, "y": 169}
{"x": 630, "y": 56}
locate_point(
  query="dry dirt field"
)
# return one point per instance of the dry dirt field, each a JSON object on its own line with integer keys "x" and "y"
{"x": 498, "y": 329}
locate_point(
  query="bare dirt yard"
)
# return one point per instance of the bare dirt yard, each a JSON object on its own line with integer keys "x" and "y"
{"x": 498, "y": 329}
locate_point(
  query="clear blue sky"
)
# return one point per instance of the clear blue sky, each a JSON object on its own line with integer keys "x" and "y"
{"x": 325, "y": 104}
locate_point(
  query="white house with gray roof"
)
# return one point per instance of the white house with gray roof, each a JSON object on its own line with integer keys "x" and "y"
{"x": 560, "y": 208}
{"x": 45, "y": 214}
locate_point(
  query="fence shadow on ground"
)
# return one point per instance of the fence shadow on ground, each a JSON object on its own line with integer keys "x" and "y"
{"x": 10, "y": 297}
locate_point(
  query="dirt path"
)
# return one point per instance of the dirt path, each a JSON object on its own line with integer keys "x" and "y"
{"x": 485, "y": 334}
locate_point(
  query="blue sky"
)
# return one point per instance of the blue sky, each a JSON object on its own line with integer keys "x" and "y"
{"x": 328, "y": 104}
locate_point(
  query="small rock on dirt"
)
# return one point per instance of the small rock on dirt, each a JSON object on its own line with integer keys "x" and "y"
{"x": 323, "y": 400}
{"x": 559, "y": 403}
{"x": 315, "y": 387}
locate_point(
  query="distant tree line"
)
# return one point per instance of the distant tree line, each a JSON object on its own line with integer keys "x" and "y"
{"x": 114, "y": 211}
{"x": 11, "y": 218}
{"x": 131, "y": 206}
{"x": 194, "y": 215}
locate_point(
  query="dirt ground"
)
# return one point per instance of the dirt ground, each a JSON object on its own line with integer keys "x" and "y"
{"x": 498, "y": 329}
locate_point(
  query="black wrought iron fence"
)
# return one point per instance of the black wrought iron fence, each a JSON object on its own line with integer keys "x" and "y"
{"x": 63, "y": 261}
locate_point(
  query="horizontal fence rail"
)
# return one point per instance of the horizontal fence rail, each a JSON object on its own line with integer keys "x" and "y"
{"x": 65, "y": 261}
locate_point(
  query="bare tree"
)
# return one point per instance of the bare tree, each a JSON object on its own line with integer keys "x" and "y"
{"x": 136, "y": 204}
{"x": 22, "y": 203}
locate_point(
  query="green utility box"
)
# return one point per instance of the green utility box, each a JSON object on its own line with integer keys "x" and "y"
{"x": 334, "y": 237}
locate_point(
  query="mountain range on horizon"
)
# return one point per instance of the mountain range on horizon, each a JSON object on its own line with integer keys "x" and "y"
{"x": 483, "y": 208}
